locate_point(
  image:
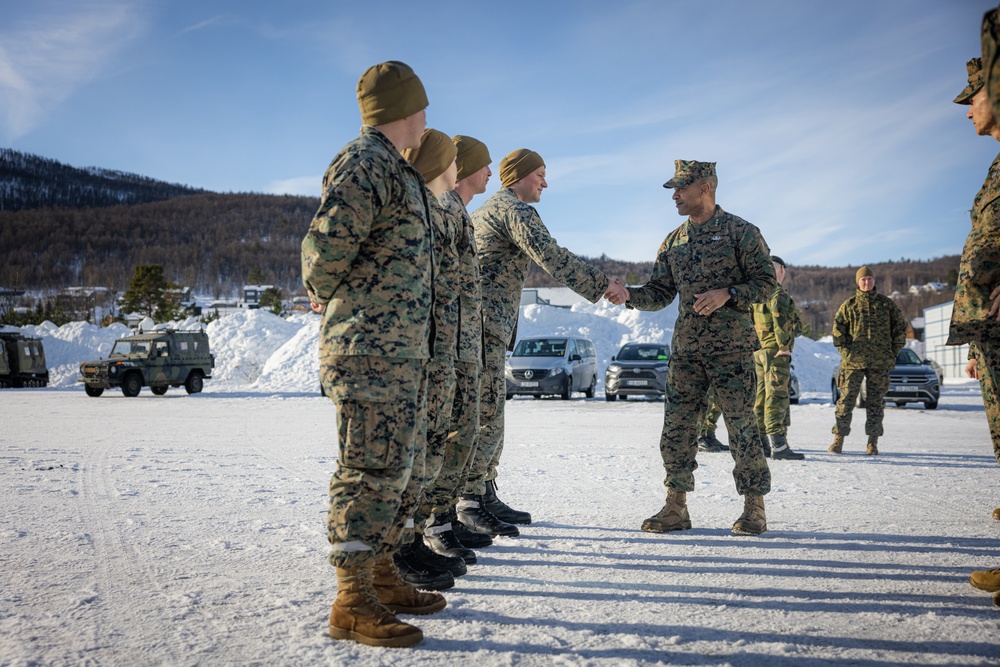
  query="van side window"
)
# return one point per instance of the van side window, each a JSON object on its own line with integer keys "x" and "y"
{"x": 571, "y": 348}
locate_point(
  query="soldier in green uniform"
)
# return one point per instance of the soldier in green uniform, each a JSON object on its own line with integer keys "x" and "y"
{"x": 776, "y": 325}
{"x": 717, "y": 263}
{"x": 509, "y": 235}
{"x": 974, "y": 318}
{"x": 707, "y": 441}
{"x": 868, "y": 331}
{"x": 368, "y": 268}
{"x": 443, "y": 533}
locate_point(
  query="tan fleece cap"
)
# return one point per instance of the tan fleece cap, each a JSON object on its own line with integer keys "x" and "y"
{"x": 472, "y": 155}
{"x": 518, "y": 164}
{"x": 389, "y": 91}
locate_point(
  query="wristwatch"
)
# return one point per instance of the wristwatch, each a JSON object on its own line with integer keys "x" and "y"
{"x": 733, "y": 296}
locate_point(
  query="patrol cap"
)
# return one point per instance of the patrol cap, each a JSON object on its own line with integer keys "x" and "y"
{"x": 472, "y": 155}
{"x": 975, "y": 69}
{"x": 433, "y": 156}
{"x": 863, "y": 272}
{"x": 687, "y": 172}
{"x": 518, "y": 164}
{"x": 389, "y": 91}
{"x": 777, "y": 260}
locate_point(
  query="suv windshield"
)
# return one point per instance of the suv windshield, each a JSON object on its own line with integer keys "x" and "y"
{"x": 541, "y": 347}
{"x": 643, "y": 353}
{"x": 907, "y": 357}
{"x": 124, "y": 348}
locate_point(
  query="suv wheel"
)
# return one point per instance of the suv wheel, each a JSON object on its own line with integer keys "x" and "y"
{"x": 93, "y": 392}
{"x": 131, "y": 385}
{"x": 610, "y": 397}
{"x": 194, "y": 383}
{"x": 931, "y": 405}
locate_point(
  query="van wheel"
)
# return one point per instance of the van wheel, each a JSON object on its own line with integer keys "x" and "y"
{"x": 131, "y": 385}
{"x": 589, "y": 391}
{"x": 567, "y": 389}
{"x": 194, "y": 383}
{"x": 93, "y": 392}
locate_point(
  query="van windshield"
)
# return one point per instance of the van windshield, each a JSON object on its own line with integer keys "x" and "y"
{"x": 541, "y": 347}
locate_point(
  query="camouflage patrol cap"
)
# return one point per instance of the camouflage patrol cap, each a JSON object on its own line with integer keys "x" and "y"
{"x": 389, "y": 91}
{"x": 518, "y": 164}
{"x": 975, "y": 69}
{"x": 433, "y": 156}
{"x": 777, "y": 260}
{"x": 687, "y": 172}
{"x": 472, "y": 155}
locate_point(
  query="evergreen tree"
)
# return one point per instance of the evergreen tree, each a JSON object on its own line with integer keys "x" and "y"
{"x": 147, "y": 294}
{"x": 273, "y": 300}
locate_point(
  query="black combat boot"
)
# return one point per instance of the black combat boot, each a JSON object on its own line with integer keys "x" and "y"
{"x": 477, "y": 519}
{"x": 418, "y": 575}
{"x": 468, "y": 538}
{"x": 781, "y": 450}
{"x": 709, "y": 443}
{"x": 500, "y": 509}
{"x": 435, "y": 561}
{"x": 440, "y": 538}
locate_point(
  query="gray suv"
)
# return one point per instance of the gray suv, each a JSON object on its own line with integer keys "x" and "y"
{"x": 552, "y": 365}
{"x": 639, "y": 369}
{"x": 910, "y": 381}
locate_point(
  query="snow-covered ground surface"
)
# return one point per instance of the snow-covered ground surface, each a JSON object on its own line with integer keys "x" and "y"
{"x": 189, "y": 530}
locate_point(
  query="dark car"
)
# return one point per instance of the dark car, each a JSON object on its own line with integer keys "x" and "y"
{"x": 639, "y": 369}
{"x": 910, "y": 381}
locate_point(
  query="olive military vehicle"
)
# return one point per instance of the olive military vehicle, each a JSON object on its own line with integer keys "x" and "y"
{"x": 156, "y": 359}
{"x": 22, "y": 361}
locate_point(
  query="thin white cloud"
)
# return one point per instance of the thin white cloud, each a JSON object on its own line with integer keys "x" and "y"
{"x": 44, "y": 61}
{"x": 308, "y": 186}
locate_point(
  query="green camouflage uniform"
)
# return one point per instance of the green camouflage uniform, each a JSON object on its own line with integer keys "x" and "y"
{"x": 463, "y": 433}
{"x": 776, "y": 323}
{"x": 441, "y": 377}
{"x": 367, "y": 258}
{"x": 869, "y": 331}
{"x": 712, "y": 413}
{"x": 509, "y": 235}
{"x": 978, "y": 274}
{"x": 714, "y": 351}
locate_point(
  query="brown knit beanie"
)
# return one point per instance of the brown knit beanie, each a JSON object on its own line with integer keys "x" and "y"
{"x": 472, "y": 155}
{"x": 517, "y": 165}
{"x": 862, "y": 272}
{"x": 389, "y": 91}
{"x": 433, "y": 156}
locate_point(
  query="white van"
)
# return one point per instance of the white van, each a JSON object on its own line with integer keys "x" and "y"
{"x": 557, "y": 365}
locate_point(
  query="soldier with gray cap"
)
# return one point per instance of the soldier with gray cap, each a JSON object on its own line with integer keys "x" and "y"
{"x": 717, "y": 264}
{"x": 368, "y": 268}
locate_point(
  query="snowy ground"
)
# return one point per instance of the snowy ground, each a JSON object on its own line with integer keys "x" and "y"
{"x": 186, "y": 530}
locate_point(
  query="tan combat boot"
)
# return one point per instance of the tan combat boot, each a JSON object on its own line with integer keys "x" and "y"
{"x": 357, "y": 615}
{"x": 752, "y": 521}
{"x": 400, "y": 597}
{"x": 838, "y": 445}
{"x": 673, "y": 516}
{"x": 986, "y": 580}
{"x": 872, "y": 449}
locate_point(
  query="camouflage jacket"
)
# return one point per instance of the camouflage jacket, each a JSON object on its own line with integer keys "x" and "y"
{"x": 470, "y": 292}
{"x": 446, "y": 271}
{"x": 979, "y": 270}
{"x": 725, "y": 251}
{"x": 869, "y": 331}
{"x": 509, "y": 235}
{"x": 776, "y": 321}
{"x": 367, "y": 256}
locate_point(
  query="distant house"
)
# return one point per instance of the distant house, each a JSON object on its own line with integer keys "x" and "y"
{"x": 252, "y": 294}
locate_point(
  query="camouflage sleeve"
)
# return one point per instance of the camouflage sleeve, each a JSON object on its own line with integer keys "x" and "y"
{"x": 661, "y": 288}
{"x": 755, "y": 260}
{"x": 842, "y": 328}
{"x": 897, "y": 324}
{"x": 340, "y": 226}
{"x": 784, "y": 324}
{"x": 530, "y": 234}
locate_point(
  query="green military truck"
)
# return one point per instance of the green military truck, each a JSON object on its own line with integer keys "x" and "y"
{"x": 156, "y": 359}
{"x": 22, "y": 361}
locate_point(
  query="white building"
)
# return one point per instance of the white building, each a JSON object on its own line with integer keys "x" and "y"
{"x": 937, "y": 320}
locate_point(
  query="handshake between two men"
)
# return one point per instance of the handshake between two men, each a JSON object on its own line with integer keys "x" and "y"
{"x": 704, "y": 304}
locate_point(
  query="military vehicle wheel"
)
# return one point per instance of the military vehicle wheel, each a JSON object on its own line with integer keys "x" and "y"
{"x": 589, "y": 391}
{"x": 194, "y": 383}
{"x": 93, "y": 392}
{"x": 131, "y": 385}
{"x": 610, "y": 397}
{"x": 568, "y": 389}
{"x": 159, "y": 391}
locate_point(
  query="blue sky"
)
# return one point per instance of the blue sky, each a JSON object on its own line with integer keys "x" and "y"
{"x": 831, "y": 123}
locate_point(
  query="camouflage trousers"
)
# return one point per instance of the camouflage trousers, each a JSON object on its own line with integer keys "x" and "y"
{"x": 463, "y": 435}
{"x": 688, "y": 381}
{"x": 988, "y": 357}
{"x": 382, "y": 429}
{"x": 849, "y": 386}
{"x": 441, "y": 381}
{"x": 710, "y": 421}
{"x": 773, "y": 376}
{"x": 492, "y": 398}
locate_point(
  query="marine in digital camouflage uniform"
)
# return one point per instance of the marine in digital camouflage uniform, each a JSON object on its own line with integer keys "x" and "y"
{"x": 509, "y": 236}
{"x": 868, "y": 331}
{"x": 776, "y": 324}
{"x": 716, "y": 264}
{"x": 978, "y": 288}
{"x": 367, "y": 265}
